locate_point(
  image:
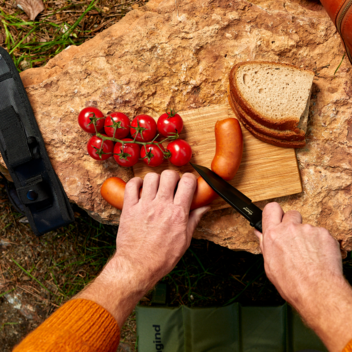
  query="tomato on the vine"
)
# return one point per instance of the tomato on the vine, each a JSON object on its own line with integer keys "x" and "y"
{"x": 98, "y": 149}
{"x": 118, "y": 122}
{"x": 181, "y": 152}
{"x": 170, "y": 124}
{"x": 143, "y": 128}
{"x": 127, "y": 154}
{"x": 88, "y": 116}
{"x": 152, "y": 154}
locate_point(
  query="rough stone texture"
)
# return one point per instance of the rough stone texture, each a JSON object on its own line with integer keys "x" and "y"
{"x": 160, "y": 56}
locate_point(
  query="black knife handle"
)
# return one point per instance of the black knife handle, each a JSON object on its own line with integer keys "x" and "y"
{"x": 258, "y": 226}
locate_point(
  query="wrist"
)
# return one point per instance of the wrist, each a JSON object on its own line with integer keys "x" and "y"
{"x": 320, "y": 288}
{"x": 118, "y": 289}
{"x": 326, "y": 308}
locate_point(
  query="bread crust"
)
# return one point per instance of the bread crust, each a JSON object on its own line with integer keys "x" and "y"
{"x": 264, "y": 138}
{"x": 282, "y": 135}
{"x": 289, "y": 123}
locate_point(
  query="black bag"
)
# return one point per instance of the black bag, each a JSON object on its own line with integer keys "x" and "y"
{"x": 39, "y": 190}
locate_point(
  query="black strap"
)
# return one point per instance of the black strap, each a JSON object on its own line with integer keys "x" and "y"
{"x": 34, "y": 192}
{"x": 14, "y": 137}
{"x": 38, "y": 188}
{"x": 5, "y": 76}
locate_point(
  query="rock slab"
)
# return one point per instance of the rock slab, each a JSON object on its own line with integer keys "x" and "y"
{"x": 168, "y": 55}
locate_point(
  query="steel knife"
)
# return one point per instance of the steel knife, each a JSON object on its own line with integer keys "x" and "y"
{"x": 232, "y": 196}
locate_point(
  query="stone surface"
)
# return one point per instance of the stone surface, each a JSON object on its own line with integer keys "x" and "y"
{"x": 165, "y": 55}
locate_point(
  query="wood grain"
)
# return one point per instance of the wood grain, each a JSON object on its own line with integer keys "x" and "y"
{"x": 266, "y": 171}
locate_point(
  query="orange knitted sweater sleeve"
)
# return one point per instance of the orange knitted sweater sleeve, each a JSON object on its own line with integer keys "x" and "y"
{"x": 79, "y": 325}
{"x": 348, "y": 347}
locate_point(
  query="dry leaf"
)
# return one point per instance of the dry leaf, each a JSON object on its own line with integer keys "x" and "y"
{"x": 1, "y": 38}
{"x": 31, "y": 7}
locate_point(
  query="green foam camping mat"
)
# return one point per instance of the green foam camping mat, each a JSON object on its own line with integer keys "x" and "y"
{"x": 233, "y": 328}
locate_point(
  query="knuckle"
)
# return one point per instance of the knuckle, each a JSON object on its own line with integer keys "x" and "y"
{"x": 292, "y": 227}
{"x": 270, "y": 234}
{"x": 324, "y": 232}
{"x": 179, "y": 215}
{"x": 307, "y": 227}
{"x": 189, "y": 179}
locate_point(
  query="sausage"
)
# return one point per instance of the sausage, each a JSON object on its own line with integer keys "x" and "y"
{"x": 113, "y": 191}
{"x": 203, "y": 195}
{"x": 227, "y": 159}
{"x": 229, "y": 148}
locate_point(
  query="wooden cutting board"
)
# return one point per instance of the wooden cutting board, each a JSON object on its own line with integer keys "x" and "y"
{"x": 266, "y": 171}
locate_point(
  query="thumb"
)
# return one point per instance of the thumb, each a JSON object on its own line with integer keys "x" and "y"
{"x": 260, "y": 237}
{"x": 193, "y": 220}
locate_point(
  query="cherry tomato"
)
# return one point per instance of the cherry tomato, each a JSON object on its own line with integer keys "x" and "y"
{"x": 181, "y": 152}
{"x": 119, "y": 122}
{"x": 170, "y": 124}
{"x": 152, "y": 155}
{"x": 144, "y": 128}
{"x": 94, "y": 145}
{"x": 126, "y": 155}
{"x": 87, "y": 117}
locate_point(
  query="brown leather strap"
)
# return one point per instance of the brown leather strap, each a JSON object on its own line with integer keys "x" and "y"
{"x": 333, "y": 7}
{"x": 340, "y": 11}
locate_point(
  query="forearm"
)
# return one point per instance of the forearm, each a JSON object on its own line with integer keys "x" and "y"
{"x": 327, "y": 309}
{"x": 118, "y": 288}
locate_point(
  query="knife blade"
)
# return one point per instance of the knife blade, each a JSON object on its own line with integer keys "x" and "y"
{"x": 232, "y": 196}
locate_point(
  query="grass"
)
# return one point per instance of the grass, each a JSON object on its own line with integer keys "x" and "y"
{"x": 35, "y": 50}
{"x": 209, "y": 275}
{"x": 34, "y": 43}
{"x": 339, "y": 64}
{"x": 9, "y": 323}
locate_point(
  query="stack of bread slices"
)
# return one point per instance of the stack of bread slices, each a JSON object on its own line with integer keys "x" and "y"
{"x": 272, "y": 101}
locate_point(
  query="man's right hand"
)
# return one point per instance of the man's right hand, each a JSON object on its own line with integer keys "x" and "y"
{"x": 304, "y": 263}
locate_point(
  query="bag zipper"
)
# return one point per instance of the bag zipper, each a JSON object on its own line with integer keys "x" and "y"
{"x": 342, "y": 14}
{"x": 339, "y": 20}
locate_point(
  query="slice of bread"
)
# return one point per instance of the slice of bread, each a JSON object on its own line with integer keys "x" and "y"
{"x": 285, "y": 135}
{"x": 272, "y": 94}
{"x": 262, "y": 137}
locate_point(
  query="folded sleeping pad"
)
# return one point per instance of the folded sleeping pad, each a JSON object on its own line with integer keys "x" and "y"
{"x": 39, "y": 193}
{"x": 228, "y": 329}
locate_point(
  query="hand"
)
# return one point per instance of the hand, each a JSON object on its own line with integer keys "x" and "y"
{"x": 297, "y": 257}
{"x": 304, "y": 263}
{"x": 155, "y": 231}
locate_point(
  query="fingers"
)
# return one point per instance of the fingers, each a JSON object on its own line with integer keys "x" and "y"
{"x": 292, "y": 216}
{"x": 272, "y": 215}
{"x": 167, "y": 185}
{"x": 260, "y": 237}
{"x": 194, "y": 218}
{"x": 185, "y": 191}
{"x": 150, "y": 186}
{"x": 132, "y": 191}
